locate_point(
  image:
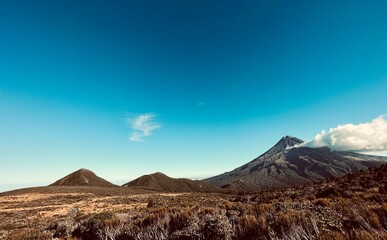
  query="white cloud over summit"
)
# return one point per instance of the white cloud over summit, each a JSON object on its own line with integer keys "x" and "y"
{"x": 363, "y": 137}
{"x": 142, "y": 125}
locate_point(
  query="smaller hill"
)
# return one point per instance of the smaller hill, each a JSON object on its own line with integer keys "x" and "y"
{"x": 83, "y": 177}
{"x": 161, "y": 182}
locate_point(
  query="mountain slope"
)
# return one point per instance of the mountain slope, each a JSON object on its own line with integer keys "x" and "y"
{"x": 83, "y": 177}
{"x": 161, "y": 182}
{"x": 283, "y": 166}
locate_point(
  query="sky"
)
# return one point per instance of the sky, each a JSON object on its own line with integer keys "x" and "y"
{"x": 188, "y": 88}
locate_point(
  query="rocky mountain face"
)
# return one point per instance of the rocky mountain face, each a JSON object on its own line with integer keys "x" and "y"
{"x": 83, "y": 177}
{"x": 161, "y": 182}
{"x": 285, "y": 165}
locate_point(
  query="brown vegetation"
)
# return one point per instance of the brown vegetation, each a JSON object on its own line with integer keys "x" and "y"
{"x": 349, "y": 207}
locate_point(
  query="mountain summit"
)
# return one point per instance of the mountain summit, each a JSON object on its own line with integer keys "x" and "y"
{"x": 82, "y": 177}
{"x": 283, "y": 166}
{"x": 289, "y": 141}
{"x": 283, "y": 144}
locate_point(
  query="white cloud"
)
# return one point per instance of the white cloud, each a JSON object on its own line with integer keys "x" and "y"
{"x": 136, "y": 137}
{"x": 142, "y": 125}
{"x": 368, "y": 137}
{"x": 200, "y": 104}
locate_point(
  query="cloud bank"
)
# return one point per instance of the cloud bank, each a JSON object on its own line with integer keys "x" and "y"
{"x": 142, "y": 125}
{"x": 363, "y": 137}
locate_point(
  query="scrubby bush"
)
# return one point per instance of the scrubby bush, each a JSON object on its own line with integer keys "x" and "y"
{"x": 341, "y": 208}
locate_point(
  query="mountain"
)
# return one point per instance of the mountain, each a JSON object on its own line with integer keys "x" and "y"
{"x": 161, "y": 182}
{"x": 83, "y": 177}
{"x": 285, "y": 165}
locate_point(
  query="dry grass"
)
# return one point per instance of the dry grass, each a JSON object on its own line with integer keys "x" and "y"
{"x": 350, "y": 207}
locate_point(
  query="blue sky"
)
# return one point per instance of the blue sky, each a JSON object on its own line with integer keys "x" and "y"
{"x": 188, "y": 88}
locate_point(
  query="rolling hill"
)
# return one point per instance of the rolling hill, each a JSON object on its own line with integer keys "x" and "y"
{"x": 83, "y": 177}
{"x": 161, "y": 182}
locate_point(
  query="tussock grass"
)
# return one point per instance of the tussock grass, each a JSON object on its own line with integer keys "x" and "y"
{"x": 350, "y": 207}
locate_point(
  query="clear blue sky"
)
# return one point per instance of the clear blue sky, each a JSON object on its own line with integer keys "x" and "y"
{"x": 223, "y": 80}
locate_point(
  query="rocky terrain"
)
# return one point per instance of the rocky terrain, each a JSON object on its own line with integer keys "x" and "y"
{"x": 287, "y": 165}
{"x": 289, "y": 192}
{"x": 353, "y": 206}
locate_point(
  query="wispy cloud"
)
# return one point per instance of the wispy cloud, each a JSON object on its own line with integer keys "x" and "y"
{"x": 200, "y": 104}
{"x": 364, "y": 137}
{"x": 142, "y": 125}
